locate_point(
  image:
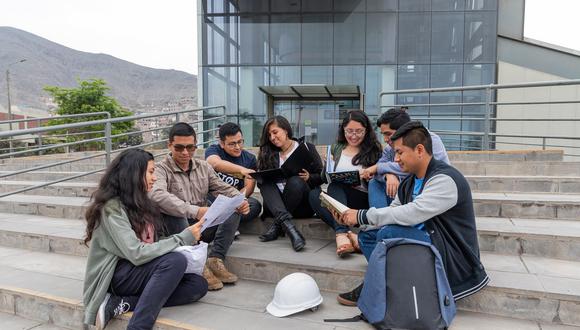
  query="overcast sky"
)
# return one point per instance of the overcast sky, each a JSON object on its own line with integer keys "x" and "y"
{"x": 162, "y": 34}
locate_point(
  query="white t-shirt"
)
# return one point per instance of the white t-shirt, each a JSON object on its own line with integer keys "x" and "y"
{"x": 345, "y": 164}
{"x": 281, "y": 185}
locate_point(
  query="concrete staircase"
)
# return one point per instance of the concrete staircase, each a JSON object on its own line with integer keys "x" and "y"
{"x": 527, "y": 207}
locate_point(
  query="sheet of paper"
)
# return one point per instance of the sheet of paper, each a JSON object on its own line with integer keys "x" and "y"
{"x": 221, "y": 209}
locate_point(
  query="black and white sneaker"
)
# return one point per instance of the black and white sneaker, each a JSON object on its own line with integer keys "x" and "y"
{"x": 110, "y": 307}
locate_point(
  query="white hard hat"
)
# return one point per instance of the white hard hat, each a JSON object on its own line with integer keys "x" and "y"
{"x": 294, "y": 293}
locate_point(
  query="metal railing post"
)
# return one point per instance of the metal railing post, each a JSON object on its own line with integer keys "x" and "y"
{"x": 544, "y": 143}
{"x": 487, "y": 122}
{"x": 39, "y": 137}
{"x": 108, "y": 143}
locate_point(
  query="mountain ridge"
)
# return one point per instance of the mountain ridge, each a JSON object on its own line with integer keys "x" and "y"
{"x": 48, "y": 63}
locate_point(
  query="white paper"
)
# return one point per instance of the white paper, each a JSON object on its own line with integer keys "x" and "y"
{"x": 221, "y": 209}
{"x": 196, "y": 256}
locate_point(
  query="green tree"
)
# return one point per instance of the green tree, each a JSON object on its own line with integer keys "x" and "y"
{"x": 89, "y": 97}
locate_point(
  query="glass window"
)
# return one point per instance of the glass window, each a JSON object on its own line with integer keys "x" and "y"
{"x": 317, "y": 75}
{"x": 413, "y": 76}
{"x": 349, "y": 44}
{"x": 381, "y": 37}
{"x": 446, "y": 76}
{"x": 414, "y": 5}
{"x": 317, "y": 39}
{"x": 480, "y": 37}
{"x": 253, "y": 6}
{"x": 284, "y": 75}
{"x": 285, "y": 6}
{"x": 448, "y": 5}
{"x": 252, "y": 102}
{"x": 316, "y": 5}
{"x": 285, "y": 39}
{"x": 350, "y": 75}
{"x": 481, "y": 5}
{"x": 379, "y": 78}
{"x": 349, "y": 6}
{"x": 474, "y": 75}
{"x": 447, "y": 38}
{"x": 221, "y": 88}
{"x": 382, "y": 5}
{"x": 414, "y": 37}
{"x": 213, "y": 6}
{"x": 220, "y": 40}
{"x": 253, "y": 40}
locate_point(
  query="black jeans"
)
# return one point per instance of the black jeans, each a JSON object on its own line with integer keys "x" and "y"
{"x": 156, "y": 284}
{"x": 255, "y": 209}
{"x": 291, "y": 203}
{"x": 347, "y": 195}
{"x": 221, "y": 236}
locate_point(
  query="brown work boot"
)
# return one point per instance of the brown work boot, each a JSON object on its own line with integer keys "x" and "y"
{"x": 216, "y": 265}
{"x": 213, "y": 283}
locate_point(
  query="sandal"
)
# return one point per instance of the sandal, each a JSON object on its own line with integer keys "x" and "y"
{"x": 343, "y": 245}
{"x": 353, "y": 237}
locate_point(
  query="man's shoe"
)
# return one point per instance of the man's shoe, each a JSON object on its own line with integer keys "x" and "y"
{"x": 350, "y": 298}
{"x": 110, "y": 307}
{"x": 213, "y": 283}
{"x": 217, "y": 267}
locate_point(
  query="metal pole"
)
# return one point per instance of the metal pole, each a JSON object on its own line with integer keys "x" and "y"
{"x": 39, "y": 123}
{"x": 10, "y": 146}
{"x": 108, "y": 143}
{"x": 486, "y": 123}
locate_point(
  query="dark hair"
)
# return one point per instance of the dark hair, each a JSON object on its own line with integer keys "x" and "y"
{"x": 370, "y": 148}
{"x": 267, "y": 154}
{"x": 394, "y": 117}
{"x": 124, "y": 179}
{"x": 181, "y": 129}
{"x": 413, "y": 134}
{"x": 228, "y": 129}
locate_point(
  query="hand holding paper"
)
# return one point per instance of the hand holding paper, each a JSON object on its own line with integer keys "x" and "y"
{"x": 221, "y": 209}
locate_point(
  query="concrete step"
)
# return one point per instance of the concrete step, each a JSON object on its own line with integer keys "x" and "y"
{"x": 505, "y": 205}
{"x": 48, "y": 288}
{"x": 506, "y": 155}
{"x": 63, "y": 189}
{"x": 47, "y": 176}
{"x": 530, "y": 184}
{"x": 51, "y": 206}
{"x": 515, "y": 168}
{"x": 13, "y": 322}
{"x": 527, "y": 205}
{"x": 558, "y": 239}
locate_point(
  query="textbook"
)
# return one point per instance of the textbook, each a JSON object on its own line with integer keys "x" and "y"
{"x": 298, "y": 160}
{"x": 346, "y": 177}
{"x": 332, "y": 204}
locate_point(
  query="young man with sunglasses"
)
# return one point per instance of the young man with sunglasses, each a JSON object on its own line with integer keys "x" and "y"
{"x": 181, "y": 192}
{"x": 233, "y": 164}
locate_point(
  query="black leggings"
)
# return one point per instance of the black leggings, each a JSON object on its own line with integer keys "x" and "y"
{"x": 159, "y": 283}
{"x": 291, "y": 203}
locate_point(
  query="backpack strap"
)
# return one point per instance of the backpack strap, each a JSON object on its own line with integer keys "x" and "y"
{"x": 357, "y": 318}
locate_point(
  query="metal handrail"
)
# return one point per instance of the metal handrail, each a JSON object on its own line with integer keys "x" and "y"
{"x": 489, "y": 120}
{"x": 107, "y": 138}
{"x": 76, "y": 115}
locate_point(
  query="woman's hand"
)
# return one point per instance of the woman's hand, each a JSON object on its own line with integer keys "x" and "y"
{"x": 196, "y": 229}
{"x": 304, "y": 175}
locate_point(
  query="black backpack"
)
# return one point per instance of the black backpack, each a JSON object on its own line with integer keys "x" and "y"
{"x": 405, "y": 287}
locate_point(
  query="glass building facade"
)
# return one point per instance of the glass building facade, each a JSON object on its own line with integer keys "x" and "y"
{"x": 378, "y": 45}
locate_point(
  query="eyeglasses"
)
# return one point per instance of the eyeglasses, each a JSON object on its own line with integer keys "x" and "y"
{"x": 181, "y": 147}
{"x": 357, "y": 132}
{"x": 234, "y": 144}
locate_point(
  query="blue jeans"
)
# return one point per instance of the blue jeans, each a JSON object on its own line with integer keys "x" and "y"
{"x": 347, "y": 195}
{"x": 367, "y": 240}
{"x": 378, "y": 194}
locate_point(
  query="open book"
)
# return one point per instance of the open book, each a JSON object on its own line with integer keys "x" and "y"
{"x": 346, "y": 177}
{"x": 332, "y": 204}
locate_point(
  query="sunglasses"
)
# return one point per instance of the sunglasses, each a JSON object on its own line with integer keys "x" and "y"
{"x": 181, "y": 147}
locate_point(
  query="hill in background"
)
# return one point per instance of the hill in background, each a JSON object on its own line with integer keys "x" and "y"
{"x": 47, "y": 63}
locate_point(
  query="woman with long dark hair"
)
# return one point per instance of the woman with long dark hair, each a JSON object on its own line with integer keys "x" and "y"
{"x": 356, "y": 148}
{"x": 128, "y": 269}
{"x": 288, "y": 199}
